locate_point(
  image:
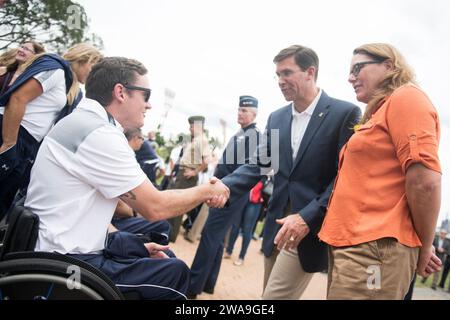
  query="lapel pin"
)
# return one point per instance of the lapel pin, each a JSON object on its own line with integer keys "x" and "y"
{"x": 320, "y": 115}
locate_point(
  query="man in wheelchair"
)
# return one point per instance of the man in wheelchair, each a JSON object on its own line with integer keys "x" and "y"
{"x": 85, "y": 165}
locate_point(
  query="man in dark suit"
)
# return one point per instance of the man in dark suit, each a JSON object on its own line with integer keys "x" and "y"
{"x": 301, "y": 144}
{"x": 442, "y": 246}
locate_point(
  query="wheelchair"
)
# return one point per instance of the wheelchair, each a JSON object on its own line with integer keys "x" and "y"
{"x": 29, "y": 275}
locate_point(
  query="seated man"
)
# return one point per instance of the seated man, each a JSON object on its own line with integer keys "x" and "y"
{"x": 85, "y": 165}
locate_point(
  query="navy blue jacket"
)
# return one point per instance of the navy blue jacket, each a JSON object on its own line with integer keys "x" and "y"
{"x": 238, "y": 150}
{"x": 68, "y": 108}
{"x": 147, "y": 153}
{"x": 44, "y": 63}
{"x": 305, "y": 183}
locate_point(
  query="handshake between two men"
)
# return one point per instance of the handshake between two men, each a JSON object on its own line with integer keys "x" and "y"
{"x": 153, "y": 204}
{"x": 221, "y": 193}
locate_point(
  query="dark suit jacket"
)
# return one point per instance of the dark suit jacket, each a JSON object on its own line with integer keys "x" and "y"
{"x": 305, "y": 183}
{"x": 238, "y": 150}
{"x": 446, "y": 246}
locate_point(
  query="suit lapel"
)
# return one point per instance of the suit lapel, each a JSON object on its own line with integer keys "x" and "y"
{"x": 317, "y": 118}
{"x": 285, "y": 137}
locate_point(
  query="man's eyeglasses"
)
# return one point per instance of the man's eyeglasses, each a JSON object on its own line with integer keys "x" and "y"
{"x": 358, "y": 66}
{"x": 147, "y": 91}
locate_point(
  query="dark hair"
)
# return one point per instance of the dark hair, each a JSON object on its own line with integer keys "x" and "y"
{"x": 37, "y": 46}
{"x": 109, "y": 72}
{"x": 132, "y": 132}
{"x": 304, "y": 57}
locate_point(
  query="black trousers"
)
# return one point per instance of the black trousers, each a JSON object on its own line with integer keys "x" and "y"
{"x": 445, "y": 273}
{"x": 126, "y": 262}
{"x": 15, "y": 167}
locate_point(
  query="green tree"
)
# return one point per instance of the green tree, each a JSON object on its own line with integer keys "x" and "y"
{"x": 160, "y": 139}
{"x": 58, "y": 24}
{"x": 214, "y": 142}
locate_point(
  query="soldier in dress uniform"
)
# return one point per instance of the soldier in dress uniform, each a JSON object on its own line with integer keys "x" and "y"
{"x": 194, "y": 160}
{"x": 206, "y": 265}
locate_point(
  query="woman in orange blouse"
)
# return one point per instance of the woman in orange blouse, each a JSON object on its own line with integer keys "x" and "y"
{"x": 382, "y": 214}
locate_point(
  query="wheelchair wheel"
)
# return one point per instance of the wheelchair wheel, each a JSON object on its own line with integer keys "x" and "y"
{"x": 34, "y": 286}
{"x": 50, "y": 279}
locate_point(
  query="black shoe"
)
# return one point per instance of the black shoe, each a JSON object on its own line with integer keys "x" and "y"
{"x": 187, "y": 238}
{"x": 191, "y": 296}
{"x": 209, "y": 290}
{"x": 433, "y": 287}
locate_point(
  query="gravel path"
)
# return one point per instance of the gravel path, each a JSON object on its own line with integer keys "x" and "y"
{"x": 245, "y": 282}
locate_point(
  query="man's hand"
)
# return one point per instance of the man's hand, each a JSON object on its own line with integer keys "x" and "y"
{"x": 293, "y": 230}
{"x": 221, "y": 193}
{"x": 428, "y": 262}
{"x": 189, "y": 173}
{"x": 156, "y": 250}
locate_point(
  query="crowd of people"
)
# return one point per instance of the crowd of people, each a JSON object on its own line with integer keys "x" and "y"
{"x": 357, "y": 195}
{"x": 442, "y": 245}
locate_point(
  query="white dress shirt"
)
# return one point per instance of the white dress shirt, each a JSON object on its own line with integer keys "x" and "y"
{"x": 300, "y": 121}
{"x": 441, "y": 243}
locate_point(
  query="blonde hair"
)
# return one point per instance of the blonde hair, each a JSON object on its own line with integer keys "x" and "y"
{"x": 8, "y": 57}
{"x": 77, "y": 55}
{"x": 400, "y": 74}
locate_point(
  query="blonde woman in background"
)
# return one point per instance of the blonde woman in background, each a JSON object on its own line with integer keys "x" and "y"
{"x": 12, "y": 62}
{"x": 46, "y": 85}
{"x": 82, "y": 57}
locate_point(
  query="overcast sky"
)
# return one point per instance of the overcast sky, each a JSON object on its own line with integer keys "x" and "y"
{"x": 211, "y": 52}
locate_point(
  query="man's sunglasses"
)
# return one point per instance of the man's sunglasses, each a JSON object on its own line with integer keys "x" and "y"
{"x": 147, "y": 91}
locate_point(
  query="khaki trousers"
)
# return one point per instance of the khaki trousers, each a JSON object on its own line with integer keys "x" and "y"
{"x": 284, "y": 277}
{"x": 199, "y": 223}
{"x": 181, "y": 182}
{"x": 382, "y": 270}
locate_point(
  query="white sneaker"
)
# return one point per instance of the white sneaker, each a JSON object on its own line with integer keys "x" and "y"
{"x": 238, "y": 262}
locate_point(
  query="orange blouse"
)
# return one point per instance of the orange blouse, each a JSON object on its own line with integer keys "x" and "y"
{"x": 369, "y": 197}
